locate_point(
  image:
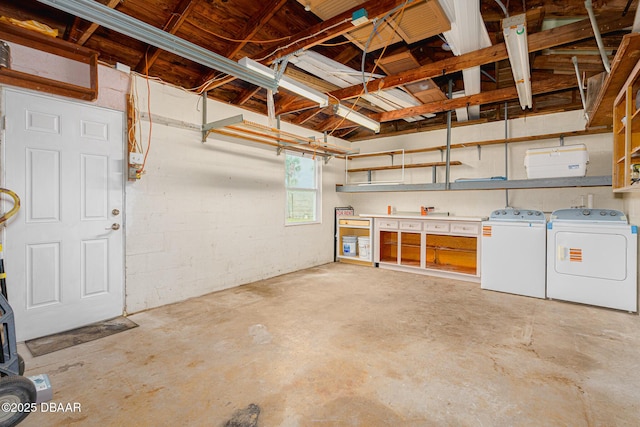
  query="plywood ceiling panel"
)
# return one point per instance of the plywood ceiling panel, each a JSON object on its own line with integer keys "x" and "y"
{"x": 326, "y": 9}
{"x": 384, "y": 36}
{"x": 422, "y": 21}
{"x": 417, "y": 22}
{"x": 426, "y": 91}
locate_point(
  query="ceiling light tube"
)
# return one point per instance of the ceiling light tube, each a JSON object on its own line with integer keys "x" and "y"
{"x": 515, "y": 37}
{"x": 287, "y": 82}
{"x": 358, "y": 118}
{"x": 94, "y": 11}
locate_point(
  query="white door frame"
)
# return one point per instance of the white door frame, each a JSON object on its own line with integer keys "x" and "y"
{"x": 121, "y": 218}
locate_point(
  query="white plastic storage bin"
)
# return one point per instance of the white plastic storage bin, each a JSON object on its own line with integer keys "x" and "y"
{"x": 556, "y": 162}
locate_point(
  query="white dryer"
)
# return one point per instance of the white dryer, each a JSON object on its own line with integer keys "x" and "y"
{"x": 592, "y": 258}
{"x": 514, "y": 252}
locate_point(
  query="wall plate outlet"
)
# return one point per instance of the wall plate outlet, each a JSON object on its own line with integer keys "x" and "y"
{"x": 122, "y": 67}
{"x": 136, "y": 158}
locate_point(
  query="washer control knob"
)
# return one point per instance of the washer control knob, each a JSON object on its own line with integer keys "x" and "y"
{"x": 516, "y": 212}
{"x": 613, "y": 213}
{"x": 504, "y": 212}
{"x": 603, "y": 213}
{"x": 538, "y": 213}
{"x": 586, "y": 212}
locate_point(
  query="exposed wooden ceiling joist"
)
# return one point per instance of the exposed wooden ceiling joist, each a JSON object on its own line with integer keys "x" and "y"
{"x": 537, "y": 41}
{"x": 81, "y": 36}
{"x": 538, "y": 86}
{"x": 176, "y": 19}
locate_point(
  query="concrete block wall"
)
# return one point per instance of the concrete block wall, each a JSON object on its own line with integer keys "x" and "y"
{"x": 206, "y": 217}
{"x": 488, "y": 162}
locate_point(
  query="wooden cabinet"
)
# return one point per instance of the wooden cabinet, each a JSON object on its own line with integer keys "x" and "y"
{"x": 440, "y": 247}
{"x": 626, "y": 135}
{"x": 360, "y": 252}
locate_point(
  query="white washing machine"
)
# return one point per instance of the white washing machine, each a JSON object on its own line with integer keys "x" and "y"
{"x": 514, "y": 252}
{"x": 592, "y": 258}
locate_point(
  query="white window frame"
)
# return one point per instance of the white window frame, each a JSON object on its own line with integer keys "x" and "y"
{"x": 317, "y": 190}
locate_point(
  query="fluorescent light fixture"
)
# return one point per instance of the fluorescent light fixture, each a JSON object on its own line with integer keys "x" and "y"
{"x": 515, "y": 37}
{"x": 356, "y": 117}
{"x": 287, "y": 83}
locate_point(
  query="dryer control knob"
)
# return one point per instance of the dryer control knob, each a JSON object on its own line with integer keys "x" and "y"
{"x": 538, "y": 213}
{"x": 603, "y": 213}
{"x": 586, "y": 212}
{"x": 516, "y": 212}
{"x": 504, "y": 212}
{"x": 529, "y": 213}
{"x": 613, "y": 213}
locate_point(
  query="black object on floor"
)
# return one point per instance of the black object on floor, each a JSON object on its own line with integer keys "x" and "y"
{"x": 247, "y": 417}
{"x": 55, "y": 342}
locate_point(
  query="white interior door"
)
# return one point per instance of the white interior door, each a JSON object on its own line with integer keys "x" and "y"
{"x": 64, "y": 253}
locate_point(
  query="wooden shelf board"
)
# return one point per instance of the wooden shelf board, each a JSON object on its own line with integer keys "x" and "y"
{"x": 628, "y": 189}
{"x": 623, "y": 63}
{"x": 451, "y": 268}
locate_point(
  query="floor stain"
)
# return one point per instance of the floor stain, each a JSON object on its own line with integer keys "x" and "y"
{"x": 247, "y": 417}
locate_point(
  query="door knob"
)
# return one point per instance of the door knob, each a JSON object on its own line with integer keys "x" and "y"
{"x": 115, "y": 212}
{"x": 114, "y": 226}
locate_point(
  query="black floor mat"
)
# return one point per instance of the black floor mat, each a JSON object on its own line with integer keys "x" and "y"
{"x": 51, "y": 343}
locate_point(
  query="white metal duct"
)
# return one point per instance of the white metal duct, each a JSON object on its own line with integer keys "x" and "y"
{"x": 468, "y": 33}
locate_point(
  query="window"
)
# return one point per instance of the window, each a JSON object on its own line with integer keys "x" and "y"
{"x": 302, "y": 181}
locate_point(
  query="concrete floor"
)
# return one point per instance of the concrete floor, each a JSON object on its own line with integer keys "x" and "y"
{"x": 344, "y": 345}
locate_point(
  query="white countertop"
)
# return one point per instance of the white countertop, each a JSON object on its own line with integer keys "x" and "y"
{"x": 432, "y": 216}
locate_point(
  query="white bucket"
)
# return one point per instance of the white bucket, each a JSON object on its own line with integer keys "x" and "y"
{"x": 349, "y": 244}
{"x": 364, "y": 247}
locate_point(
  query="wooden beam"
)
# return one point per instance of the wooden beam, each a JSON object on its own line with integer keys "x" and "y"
{"x": 537, "y": 41}
{"x": 493, "y": 142}
{"x": 172, "y": 25}
{"x": 251, "y": 28}
{"x": 316, "y": 34}
{"x": 305, "y": 116}
{"x": 626, "y": 58}
{"x": 329, "y": 29}
{"x": 54, "y": 46}
{"x": 75, "y": 35}
{"x": 564, "y": 64}
{"x": 255, "y": 24}
{"x": 538, "y": 87}
{"x": 246, "y": 95}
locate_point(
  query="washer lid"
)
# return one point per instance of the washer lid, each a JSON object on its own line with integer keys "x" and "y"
{"x": 589, "y": 215}
{"x": 520, "y": 215}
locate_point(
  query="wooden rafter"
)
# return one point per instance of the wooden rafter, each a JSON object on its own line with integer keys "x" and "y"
{"x": 306, "y": 116}
{"x": 320, "y": 33}
{"x": 172, "y": 25}
{"x": 538, "y": 87}
{"x": 246, "y": 95}
{"x": 252, "y": 27}
{"x": 537, "y": 41}
{"x": 329, "y": 29}
{"x": 80, "y": 37}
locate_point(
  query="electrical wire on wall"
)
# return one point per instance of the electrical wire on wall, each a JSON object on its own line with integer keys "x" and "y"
{"x": 377, "y": 26}
{"x": 137, "y": 155}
